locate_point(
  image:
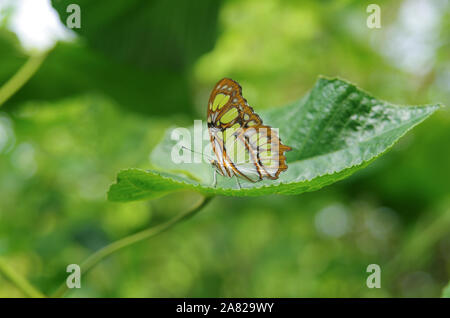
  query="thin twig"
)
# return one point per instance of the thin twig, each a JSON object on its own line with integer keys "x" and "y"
{"x": 21, "y": 77}
{"x": 104, "y": 252}
{"x": 19, "y": 281}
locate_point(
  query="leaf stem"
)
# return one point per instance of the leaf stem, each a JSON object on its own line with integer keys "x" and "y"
{"x": 19, "y": 281}
{"x": 104, "y": 252}
{"x": 21, "y": 77}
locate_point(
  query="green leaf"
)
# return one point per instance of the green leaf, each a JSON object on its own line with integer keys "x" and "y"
{"x": 86, "y": 71}
{"x": 148, "y": 34}
{"x": 335, "y": 130}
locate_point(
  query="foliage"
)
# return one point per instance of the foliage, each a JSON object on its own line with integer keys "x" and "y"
{"x": 90, "y": 111}
{"x": 127, "y": 54}
{"x": 334, "y": 131}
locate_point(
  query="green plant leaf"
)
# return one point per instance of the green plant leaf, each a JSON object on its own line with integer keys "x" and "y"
{"x": 335, "y": 130}
{"x": 148, "y": 34}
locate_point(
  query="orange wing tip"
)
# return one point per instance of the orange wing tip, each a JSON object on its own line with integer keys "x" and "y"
{"x": 284, "y": 148}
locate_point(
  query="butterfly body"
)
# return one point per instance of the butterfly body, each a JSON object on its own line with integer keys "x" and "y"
{"x": 243, "y": 146}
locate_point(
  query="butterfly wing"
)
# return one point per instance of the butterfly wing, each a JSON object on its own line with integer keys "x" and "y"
{"x": 227, "y": 107}
{"x": 242, "y": 144}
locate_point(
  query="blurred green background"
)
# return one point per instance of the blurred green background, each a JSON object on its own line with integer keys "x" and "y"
{"x": 105, "y": 94}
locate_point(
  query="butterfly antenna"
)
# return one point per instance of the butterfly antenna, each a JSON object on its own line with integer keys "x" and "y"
{"x": 200, "y": 153}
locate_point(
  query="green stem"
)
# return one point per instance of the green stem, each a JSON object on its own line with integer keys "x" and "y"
{"x": 21, "y": 77}
{"x": 104, "y": 252}
{"x": 19, "y": 281}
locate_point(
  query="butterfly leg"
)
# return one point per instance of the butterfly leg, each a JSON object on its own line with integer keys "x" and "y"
{"x": 215, "y": 178}
{"x": 238, "y": 183}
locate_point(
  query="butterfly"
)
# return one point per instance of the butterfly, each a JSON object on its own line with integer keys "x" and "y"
{"x": 243, "y": 146}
